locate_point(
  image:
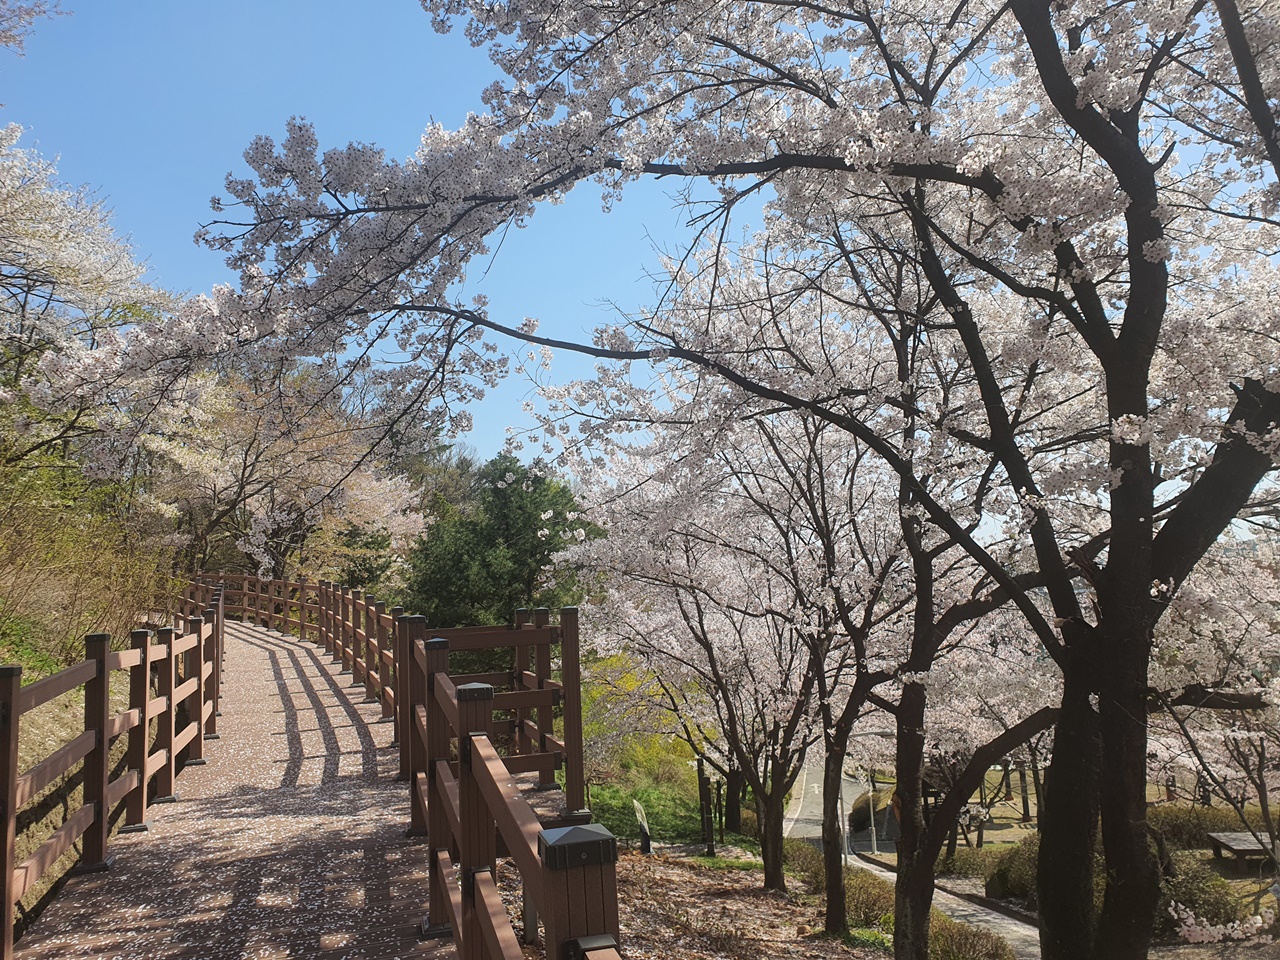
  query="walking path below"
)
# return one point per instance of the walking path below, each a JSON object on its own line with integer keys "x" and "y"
{"x": 289, "y": 843}
{"x": 804, "y": 821}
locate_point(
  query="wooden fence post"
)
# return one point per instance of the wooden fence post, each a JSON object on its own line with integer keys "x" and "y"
{"x": 97, "y": 768}
{"x": 571, "y": 692}
{"x": 140, "y": 734}
{"x": 302, "y": 609}
{"x": 193, "y": 666}
{"x": 437, "y": 749}
{"x": 579, "y": 887}
{"x": 340, "y": 628}
{"x": 165, "y": 730}
{"x": 371, "y": 665}
{"x": 523, "y": 743}
{"x": 353, "y": 649}
{"x": 546, "y": 726}
{"x": 384, "y": 671}
{"x": 398, "y": 685}
{"x": 319, "y": 613}
{"x": 477, "y": 840}
{"x": 209, "y": 690}
{"x": 419, "y": 696}
{"x": 220, "y": 652}
{"x": 10, "y": 684}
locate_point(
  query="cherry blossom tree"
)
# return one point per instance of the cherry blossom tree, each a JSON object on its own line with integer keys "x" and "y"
{"x": 1220, "y": 633}
{"x": 709, "y": 614}
{"x": 1103, "y": 177}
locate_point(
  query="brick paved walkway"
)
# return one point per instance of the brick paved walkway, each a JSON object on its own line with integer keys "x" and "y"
{"x": 288, "y": 843}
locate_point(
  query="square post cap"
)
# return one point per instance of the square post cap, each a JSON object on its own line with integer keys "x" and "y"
{"x": 585, "y": 845}
{"x": 475, "y": 691}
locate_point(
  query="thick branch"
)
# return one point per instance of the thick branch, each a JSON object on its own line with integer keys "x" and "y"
{"x": 1215, "y": 499}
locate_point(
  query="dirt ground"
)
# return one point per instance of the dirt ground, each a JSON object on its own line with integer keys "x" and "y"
{"x": 672, "y": 908}
{"x": 1217, "y": 951}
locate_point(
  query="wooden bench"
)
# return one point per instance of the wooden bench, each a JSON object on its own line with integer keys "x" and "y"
{"x": 1243, "y": 847}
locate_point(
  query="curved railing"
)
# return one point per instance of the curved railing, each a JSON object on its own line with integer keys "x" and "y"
{"x": 462, "y": 791}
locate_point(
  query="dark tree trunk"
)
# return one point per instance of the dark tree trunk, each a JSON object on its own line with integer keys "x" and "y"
{"x": 772, "y": 810}
{"x": 1037, "y": 782}
{"x": 734, "y": 785}
{"x": 1068, "y": 824}
{"x": 913, "y": 893}
{"x": 1126, "y": 923}
{"x": 837, "y": 920}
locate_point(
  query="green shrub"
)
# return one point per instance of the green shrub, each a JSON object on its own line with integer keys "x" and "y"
{"x": 1200, "y": 890}
{"x": 972, "y": 862}
{"x": 951, "y": 940}
{"x": 1014, "y": 875}
{"x": 867, "y": 898}
{"x": 860, "y": 813}
{"x": 804, "y": 860}
{"x": 750, "y": 824}
{"x": 870, "y": 905}
{"x": 1185, "y": 827}
{"x": 869, "y": 938}
{"x": 672, "y": 813}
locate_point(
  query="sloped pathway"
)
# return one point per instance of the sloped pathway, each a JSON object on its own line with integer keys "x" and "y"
{"x": 289, "y": 843}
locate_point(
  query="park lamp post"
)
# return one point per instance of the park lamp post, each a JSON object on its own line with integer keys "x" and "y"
{"x": 871, "y": 793}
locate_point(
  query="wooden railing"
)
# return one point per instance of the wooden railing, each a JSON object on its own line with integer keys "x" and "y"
{"x": 475, "y": 813}
{"x": 462, "y": 795}
{"x": 173, "y": 673}
{"x": 369, "y": 641}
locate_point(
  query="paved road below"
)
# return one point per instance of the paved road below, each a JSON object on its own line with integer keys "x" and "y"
{"x": 804, "y": 821}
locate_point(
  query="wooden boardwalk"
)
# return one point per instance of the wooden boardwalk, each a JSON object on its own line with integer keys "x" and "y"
{"x": 290, "y": 842}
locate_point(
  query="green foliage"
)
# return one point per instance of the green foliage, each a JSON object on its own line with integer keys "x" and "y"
{"x": 860, "y": 812}
{"x": 1198, "y": 888}
{"x": 1014, "y": 876}
{"x": 729, "y": 863}
{"x": 367, "y": 559}
{"x": 869, "y": 902}
{"x": 1187, "y": 827}
{"x": 805, "y": 860}
{"x": 490, "y": 553}
{"x": 672, "y": 811}
{"x": 972, "y": 862}
{"x": 72, "y": 561}
{"x": 867, "y": 898}
{"x": 869, "y": 938}
{"x": 951, "y": 940}
{"x": 656, "y": 771}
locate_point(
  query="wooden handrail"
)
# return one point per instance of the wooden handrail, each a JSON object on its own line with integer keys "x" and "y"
{"x": 516, "y": 822}
{"x": 64, "y": 681}
{"x": 184, "y": 657}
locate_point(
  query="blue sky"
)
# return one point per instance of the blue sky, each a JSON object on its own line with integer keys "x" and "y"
{"x": 151, "y": 102}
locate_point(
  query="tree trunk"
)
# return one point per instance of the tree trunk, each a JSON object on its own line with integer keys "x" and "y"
{"x": 772, "y": 812}
{"x": 837, "y": 921}
{"x": 1126, "y": 923}
{"x": 1038, "y": 783}
{"x": 1068, "y": 824}
{"x": 734, "y": 784}
{"x": 913, "y": 892}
